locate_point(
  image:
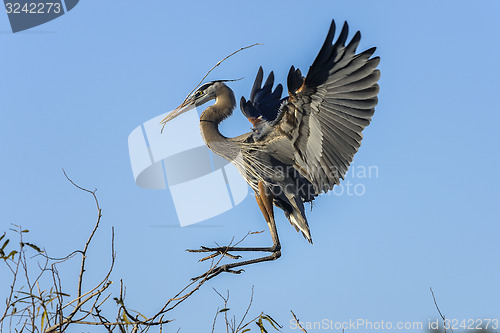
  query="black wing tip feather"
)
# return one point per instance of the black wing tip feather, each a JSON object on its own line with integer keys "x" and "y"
{"x": 257, "y": 83}
{"x": 353, "y": 44}
{"x": 263, "y": 100}
{"x": 331, "y": 34}
{"x": 343, "y": 35}
{"x": 327, "y": 48}
{"x": 369, "y": 51}
{"x": 269, "y": 81}
{"x": 294, "y": 80}
{"x": 327, "y": 56}
{"x": 317, "y": 72}
{"x": 243, "y": 103}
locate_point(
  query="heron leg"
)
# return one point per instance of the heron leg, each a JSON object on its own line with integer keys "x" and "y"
{"x": 265, "y": 202}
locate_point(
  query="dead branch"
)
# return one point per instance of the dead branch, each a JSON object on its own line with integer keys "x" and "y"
{"x": 297, "y": 322}
{"x": 50, "y": 309}
{"x": 218, "y": 64}
{"x": 439, "y": 311}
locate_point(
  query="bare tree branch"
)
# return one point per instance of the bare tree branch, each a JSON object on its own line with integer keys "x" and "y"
{"x": 297, "y": 322}
{"x": 38, "y": 308}
{"x": 437, "y": 307}
{"x": 220, "y": 62}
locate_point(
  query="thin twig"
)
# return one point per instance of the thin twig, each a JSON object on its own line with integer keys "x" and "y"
{"x": 215, "y": 319}
{"x": 220, "y": 62}
{"x": 225, "y": 309}
{"x": 298, "y": 323}
{"x": 442, "y": 316}
{"x": 97, "y": 290}
{"x": 12, "y": 286}
{"x": 246, "y": 312}
{"x": 211, "y": 69}
{"x": 69, "y": 319}
{"x": 84, "y": 252}
{"x": 69, "y": 256}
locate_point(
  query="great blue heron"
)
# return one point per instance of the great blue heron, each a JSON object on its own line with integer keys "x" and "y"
{"x": 301, "y": 145}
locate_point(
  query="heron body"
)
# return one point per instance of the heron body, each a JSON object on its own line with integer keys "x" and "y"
{"x": 257, "y": 157}
{"x": 301, "y": 145}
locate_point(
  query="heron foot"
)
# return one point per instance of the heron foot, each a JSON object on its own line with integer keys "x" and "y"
{"x": 229, "y": 268}
{"x": 224, "y": 251}
{"x": 216, "y": 271}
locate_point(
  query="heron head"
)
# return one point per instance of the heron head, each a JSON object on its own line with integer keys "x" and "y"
{"x": 200, "y": 96}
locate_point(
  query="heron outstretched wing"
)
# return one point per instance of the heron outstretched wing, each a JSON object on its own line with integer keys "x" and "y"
{"x": 264, "y": 103}
{"x": 326, "y": 112}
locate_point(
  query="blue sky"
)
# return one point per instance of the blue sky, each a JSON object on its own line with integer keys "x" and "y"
{"x": 73, "y": 89}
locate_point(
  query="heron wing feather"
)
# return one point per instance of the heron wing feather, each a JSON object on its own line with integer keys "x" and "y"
{"x": 263, "y": 102}
{"x": 323, "y": 119}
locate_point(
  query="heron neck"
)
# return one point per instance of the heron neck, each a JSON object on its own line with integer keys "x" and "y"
{"x": 222, "y": 108}
{"x": 213, "y": 116}
{"x": 211, "y": 134}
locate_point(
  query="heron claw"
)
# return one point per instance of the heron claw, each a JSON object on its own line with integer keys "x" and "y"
{"x": 216, "y": 252}
{"x": 229, "y": 268}
{"x": 239, "y": 271}
{"x": 216, "y": 271}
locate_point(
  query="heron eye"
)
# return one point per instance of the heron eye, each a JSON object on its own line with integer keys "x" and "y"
{"x": 199, "y": 93}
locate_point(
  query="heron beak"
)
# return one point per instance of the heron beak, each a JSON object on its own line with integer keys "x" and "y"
{"x": 187, "y": 105}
